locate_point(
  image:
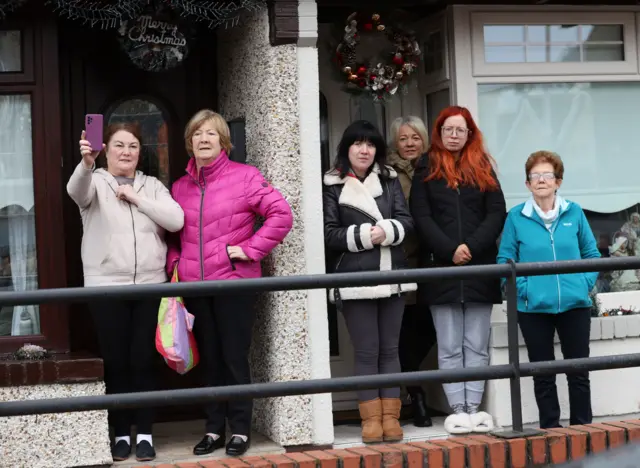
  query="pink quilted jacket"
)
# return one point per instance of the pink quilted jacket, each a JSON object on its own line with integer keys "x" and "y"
{"x": 219, "y": 211}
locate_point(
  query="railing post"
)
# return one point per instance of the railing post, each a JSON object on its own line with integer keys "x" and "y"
{"x": 514, "y": 360}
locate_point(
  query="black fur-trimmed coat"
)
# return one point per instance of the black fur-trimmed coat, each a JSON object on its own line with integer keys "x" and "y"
{"x": 351, "y": 208}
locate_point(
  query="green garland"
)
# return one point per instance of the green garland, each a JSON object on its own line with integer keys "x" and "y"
{"x": 218, "y": 13}
{"x": 109, "y": 14}
{"x": 7, "y": 6}
{"x": 106, "y": 15}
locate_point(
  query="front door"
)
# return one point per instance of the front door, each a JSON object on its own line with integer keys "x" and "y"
{"x": 338, "y": 109}
{"x": 425, "y": 97}
{"x": 99, "y": 76}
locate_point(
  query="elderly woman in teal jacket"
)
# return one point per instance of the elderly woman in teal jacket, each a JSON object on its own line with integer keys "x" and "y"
{"x": 547, "y": 228}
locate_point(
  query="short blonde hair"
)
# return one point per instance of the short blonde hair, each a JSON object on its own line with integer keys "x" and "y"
{"x": 220, "y": 125}
{"x": 416, "y": 124}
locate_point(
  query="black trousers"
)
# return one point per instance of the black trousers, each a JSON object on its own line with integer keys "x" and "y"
{"x": 417, "y": 337}
{"x": 222, "y": 328}
{"x": 574, "y": 329}
{"x": 374, "y": 327}
{"x": 126, "y": 334}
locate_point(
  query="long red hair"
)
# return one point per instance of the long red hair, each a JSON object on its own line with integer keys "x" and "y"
{"x": 475, "y": 165}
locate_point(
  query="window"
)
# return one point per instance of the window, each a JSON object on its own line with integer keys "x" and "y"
{"x": 617, "y": 235}
{"x": 18, "y": 265}
{"x": 238, "y": 134}
{"x": 325, "y": 152}
{"x": 32, "y": 253}
{"x": 569, "y": 44}
{"x": 364, "y": 108}
{"x": 155, "y": 135}
{"x": 434, "y": 52}
{"x": 330, "y": 259}
{"x": 16, "y": 55}
{"x": 436, "y": 102}
{"x": 10, "y": 51}
{"x": 553, "y": 43}
{"x": 602, "y": 167}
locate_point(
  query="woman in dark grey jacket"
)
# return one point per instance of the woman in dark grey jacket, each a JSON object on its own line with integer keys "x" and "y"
{"x": 366, "y": 220}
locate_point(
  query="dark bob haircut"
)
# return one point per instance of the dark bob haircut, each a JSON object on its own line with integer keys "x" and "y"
{"x": 359, "y": 131}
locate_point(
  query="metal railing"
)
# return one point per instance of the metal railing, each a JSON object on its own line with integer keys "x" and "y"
{"x": 512, "y": 371}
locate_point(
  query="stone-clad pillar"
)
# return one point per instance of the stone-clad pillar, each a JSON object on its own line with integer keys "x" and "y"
{"x": 276, "y": 90}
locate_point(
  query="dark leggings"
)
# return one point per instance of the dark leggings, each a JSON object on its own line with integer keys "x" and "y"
{"x": 374, "y": 327}
{"x": 417, "y": 337}
{"x": 574, "y": 331}
{"x": 126, "y": 333}
{"x": 223, "y": 327}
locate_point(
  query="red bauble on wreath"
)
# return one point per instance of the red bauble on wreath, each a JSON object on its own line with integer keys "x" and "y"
{"x": 381, "y": 79}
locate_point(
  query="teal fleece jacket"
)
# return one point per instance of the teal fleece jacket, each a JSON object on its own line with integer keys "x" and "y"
{"x": 525, "y": 238}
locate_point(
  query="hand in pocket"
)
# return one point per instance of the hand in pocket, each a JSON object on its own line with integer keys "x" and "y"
{"x": 236, "y": 253}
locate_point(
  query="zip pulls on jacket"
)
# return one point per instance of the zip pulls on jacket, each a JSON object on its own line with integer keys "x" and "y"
{"x": 133, "y": 229}
{"x": 551, "y": 229}
{"x": 135, "y": 246}
{"x": 336, "y": 292}
{"x": 201, "y": 244}
{"x": 361, "y": 211}
{"x": 555, "y": 258}
{"x": 459, "y": 212}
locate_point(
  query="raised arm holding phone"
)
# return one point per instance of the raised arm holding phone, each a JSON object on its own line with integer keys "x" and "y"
{"x": 125, "y": 214}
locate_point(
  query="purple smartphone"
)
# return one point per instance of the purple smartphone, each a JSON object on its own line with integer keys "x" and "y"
{"x": 93, "y": 130}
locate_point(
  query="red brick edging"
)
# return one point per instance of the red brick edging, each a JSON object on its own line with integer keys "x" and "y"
{"x": 59, "y": 368}
{"x": 472, "y": 451}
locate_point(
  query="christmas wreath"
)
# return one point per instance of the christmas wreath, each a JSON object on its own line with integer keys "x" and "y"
{"x": 380, "y": 78}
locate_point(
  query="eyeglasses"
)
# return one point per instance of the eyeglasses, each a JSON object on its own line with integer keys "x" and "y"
{"x": 541, "y": 175}
{"x": 459, "y": 131}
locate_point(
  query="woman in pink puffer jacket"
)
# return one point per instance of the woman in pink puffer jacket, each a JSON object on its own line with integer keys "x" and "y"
{"x": 221, "y": 199}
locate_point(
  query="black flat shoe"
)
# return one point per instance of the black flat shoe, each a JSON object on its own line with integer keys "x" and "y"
{"x": 208, "y": 445}
{"x": 121, "y": 451}
{"x": 421, "y": 416}
{"x": 237, "y": 446}
{"x": 145, "y": 451}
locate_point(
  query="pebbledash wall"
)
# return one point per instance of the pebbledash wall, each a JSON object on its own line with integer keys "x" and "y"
{"x": 275, "y": 89}
{"x": 59, "y": 439}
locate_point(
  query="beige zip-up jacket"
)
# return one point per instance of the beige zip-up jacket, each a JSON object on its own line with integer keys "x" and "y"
{"x": 123, "y": 243}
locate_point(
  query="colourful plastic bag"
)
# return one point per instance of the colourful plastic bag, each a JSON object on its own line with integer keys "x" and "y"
{"x": 174, "y": 334}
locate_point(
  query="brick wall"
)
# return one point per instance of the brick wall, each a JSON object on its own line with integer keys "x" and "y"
{"x": 473, "y": 451}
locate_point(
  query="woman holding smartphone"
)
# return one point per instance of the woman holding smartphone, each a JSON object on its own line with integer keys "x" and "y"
{"x": 125, "y": 214}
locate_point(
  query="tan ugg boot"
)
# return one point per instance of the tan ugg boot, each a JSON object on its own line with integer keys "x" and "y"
{"x": 391, "y": 429}
{"x": 371, "y": 414}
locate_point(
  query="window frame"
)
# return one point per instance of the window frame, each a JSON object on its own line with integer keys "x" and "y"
{"x": 48, "y": 186}
{"x": 433, "y": 23}
{"x": 109, "y": 107}
{"x": 514, "y": 198}
{"x": 27, "y": 74}
{"x": 629, "y": 66}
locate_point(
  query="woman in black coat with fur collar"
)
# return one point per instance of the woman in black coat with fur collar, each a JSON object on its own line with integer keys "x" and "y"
{"x": 366, "y": 221}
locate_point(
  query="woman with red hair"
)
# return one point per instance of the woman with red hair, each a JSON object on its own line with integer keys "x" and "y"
{"x": 459, "y": 210}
